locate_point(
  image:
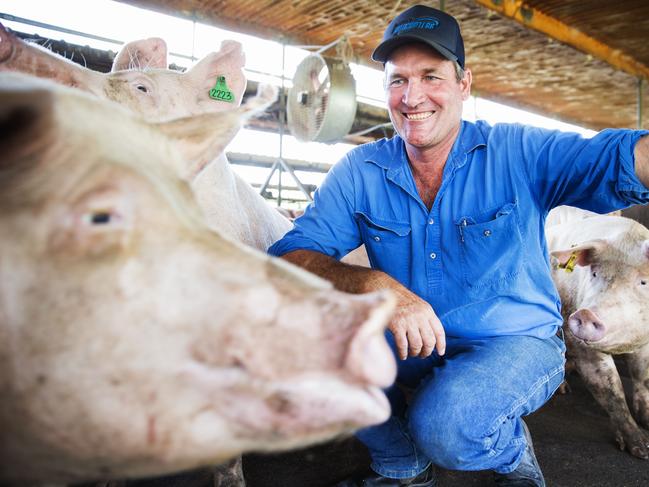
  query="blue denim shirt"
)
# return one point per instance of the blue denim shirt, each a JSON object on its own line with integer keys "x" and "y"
{"x": 479, "y": 256}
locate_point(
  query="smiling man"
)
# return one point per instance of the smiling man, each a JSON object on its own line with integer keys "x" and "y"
{"x": 451, "y": 214}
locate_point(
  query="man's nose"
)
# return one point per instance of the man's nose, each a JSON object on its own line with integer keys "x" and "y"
{"x": 413, "y": 95}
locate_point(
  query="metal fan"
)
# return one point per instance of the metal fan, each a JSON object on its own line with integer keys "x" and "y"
{"x": 321, "y": 105}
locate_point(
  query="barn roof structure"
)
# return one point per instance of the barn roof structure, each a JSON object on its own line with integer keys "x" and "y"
{"x": 579, "y": 61}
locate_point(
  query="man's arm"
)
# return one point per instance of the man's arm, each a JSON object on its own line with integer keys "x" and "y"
{"x": 641, "y": 154}
{"x": 415, "y": 326}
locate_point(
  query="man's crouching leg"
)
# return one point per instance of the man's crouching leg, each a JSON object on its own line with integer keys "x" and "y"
{"x": 467, "y": 414}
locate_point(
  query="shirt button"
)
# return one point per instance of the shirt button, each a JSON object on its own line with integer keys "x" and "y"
{"x": 433, "y": 255}
{"x": 377, "y": 238}
{"x": 431, "y": 221}
{"x": 487, "y": 233}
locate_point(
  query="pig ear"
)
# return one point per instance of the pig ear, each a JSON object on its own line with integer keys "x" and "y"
{"x": 141, "y": 54}
{"x": 27, "y": 134}
{"x": 588, "y": 253}
{"x": 202, "y": 138}
{"x": 19, "y": 56}
{"x": 205, "y": 72}
{"x": 644, "y": 249}
{"x": 26, "y": 122}
{"x": 6, "y": 44}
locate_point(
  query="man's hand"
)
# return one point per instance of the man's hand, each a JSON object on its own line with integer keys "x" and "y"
{"x": 416, "y": 328}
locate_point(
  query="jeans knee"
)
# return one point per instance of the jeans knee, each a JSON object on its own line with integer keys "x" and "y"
{"x": 449, "y": 441}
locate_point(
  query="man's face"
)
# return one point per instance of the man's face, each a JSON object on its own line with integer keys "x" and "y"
{"x": 423, "y": 95}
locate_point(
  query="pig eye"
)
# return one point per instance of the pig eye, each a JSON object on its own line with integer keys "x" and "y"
{"x": 142, "y": 88}
{"x": 98, "y": 217}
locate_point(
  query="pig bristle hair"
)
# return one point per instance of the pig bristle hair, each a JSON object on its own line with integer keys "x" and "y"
{"x": 134, "y": 62}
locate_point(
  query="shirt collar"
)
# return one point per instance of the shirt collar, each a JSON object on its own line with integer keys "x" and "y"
{"x": 390, "y": 154}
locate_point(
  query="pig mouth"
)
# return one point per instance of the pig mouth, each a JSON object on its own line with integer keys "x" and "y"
{"x": 311, "y": 409}
{"x": 288, "y": 411}
{"x": 606, "y": 344}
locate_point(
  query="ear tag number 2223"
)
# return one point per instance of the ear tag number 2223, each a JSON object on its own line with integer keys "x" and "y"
{"x": 221, "y": 91}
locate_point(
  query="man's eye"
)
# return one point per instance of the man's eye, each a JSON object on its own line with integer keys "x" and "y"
{"x": 396, "y": 82}
{"x": 430, "y": 77}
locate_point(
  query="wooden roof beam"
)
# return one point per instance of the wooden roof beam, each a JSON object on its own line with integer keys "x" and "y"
{"x": 550, "y": 26}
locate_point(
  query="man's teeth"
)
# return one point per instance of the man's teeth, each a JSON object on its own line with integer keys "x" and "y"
{"x": 418, "y": 116}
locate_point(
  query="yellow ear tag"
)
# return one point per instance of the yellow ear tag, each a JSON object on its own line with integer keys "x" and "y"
{"x": 221, "y": 91}
{"x": 569, "y": 266}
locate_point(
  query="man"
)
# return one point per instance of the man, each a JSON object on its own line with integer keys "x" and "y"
{"x": 452, "y": 214}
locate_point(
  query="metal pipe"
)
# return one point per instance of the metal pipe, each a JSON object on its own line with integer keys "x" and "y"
{"x": 371, "y": 129}
{"x": 640, "y": 103}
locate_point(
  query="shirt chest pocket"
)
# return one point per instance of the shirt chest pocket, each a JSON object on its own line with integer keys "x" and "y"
{"x": 492, "y": 249}
{"x": 387, "y": 241}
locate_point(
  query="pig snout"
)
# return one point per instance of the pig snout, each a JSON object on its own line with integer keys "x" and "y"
{"x": 369, "y": 358}
{"x": 586, "y": 325}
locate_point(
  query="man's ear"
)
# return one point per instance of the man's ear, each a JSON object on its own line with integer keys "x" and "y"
{"x": 141, "y": 54}
{"x": 466, "y": 84}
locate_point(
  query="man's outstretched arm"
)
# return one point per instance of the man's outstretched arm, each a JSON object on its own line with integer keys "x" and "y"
{"x": 641, "y": 153}
{"x": 415, "y": 326}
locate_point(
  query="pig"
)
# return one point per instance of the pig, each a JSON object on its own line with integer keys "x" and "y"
{"x": 135, "y": 340}
{"x": 601, "y": 270}
{"x": 140, "y": 81}
{"x": 565, "y": 214}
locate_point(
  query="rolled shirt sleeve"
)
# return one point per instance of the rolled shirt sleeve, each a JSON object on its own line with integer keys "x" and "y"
{"x": 596, "y": 174}
{"x": 328, "y": 225}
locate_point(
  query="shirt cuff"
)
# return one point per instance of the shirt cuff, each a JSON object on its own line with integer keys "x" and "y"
{"x": 286, "y": 245}
{"x": 628, "y": 185}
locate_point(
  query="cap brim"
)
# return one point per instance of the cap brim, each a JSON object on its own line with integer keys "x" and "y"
{"x": 383, "y": 50}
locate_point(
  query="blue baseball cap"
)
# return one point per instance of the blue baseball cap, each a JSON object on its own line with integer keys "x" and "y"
{"x": 424, "y": 24}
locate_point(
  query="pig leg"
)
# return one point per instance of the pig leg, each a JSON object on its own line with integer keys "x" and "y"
{"x": 602, "y": 379}
{"x": 229, "y": 474}
{"x": 638, "y": 363}
{"x": 564, "y": 388}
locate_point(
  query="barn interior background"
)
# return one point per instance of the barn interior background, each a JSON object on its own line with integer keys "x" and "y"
{"x": 578, "y": 65}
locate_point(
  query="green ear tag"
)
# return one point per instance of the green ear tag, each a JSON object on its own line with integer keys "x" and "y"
{"x": 221, "y": 91}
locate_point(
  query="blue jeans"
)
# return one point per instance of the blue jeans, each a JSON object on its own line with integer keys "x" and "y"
{"x": 465, "y": 413}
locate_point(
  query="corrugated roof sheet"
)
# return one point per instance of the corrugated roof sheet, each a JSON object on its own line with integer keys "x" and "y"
{"x": 510, "y": 62}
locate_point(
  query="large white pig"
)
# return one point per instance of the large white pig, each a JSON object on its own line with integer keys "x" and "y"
{"x": 133, "y": 339}
{"x": 140, "y": 81}
{"x": 601, "y": 269}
